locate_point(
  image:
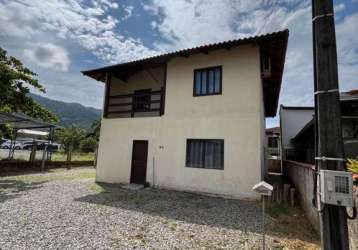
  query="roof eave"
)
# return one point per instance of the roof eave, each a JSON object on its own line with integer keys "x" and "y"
{"x": 190, "y": 51}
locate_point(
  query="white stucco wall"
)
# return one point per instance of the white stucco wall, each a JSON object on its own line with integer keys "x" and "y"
{"x": 292, "y": 121}
{"x": 236, "y": 116}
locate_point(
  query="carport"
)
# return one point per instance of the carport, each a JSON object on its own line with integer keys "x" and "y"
{"x": 25, "y": 125}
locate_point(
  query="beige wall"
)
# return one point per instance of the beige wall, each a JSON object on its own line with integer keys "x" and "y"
{"x": 147, "y": 79}
{"x": 235, "y": 116}
{"x": 151, "y": 78}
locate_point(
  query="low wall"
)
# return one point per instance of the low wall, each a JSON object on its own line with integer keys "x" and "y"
{"x": 301, "y": 176}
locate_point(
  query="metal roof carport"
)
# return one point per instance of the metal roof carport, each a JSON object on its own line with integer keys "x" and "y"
{"x": 19, "y": 122}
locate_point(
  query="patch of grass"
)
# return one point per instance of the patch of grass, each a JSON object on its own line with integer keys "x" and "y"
{"x": 133, "y": 197}
{"x": 54, "y": 176}
{"x": 209, "y": 244}
{"x": 279, "y": 247}
{"x": 173, "y": 227}
{"x": 23, "y": 221}
{"x": 76, "y": 156}
{"x": 289, "y": 227}
{"x": 81, "y": 175}
{"x": 165, "y": 222}
{"x": 114, "y": 193}
{"x": 98, "y": 188}
{"x": 275, "y": 209}
{"x": 141, "y": 238}
{"x": 243, "y": 241}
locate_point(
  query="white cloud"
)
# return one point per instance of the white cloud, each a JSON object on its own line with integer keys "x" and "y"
{"x": 189, "y": 23}
{"x": 11, "y": 23}
{"x": 347, "y": 43}
{"x": 339, "y": 7}
{"x": 88, "y": 25}
{"x": 128, "y": 12}
{"x": 181, "y": 24}
{"x": 48, "y": 55}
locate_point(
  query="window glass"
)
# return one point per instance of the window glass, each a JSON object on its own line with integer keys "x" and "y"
{"x": 204, "y": 153}
{"x": 207, "y": 81}
{"x": 211, "y": 81}
{"x": 217, "y": 80}
{"x": 198, "y": 82}
{"x": 203, "y": 82}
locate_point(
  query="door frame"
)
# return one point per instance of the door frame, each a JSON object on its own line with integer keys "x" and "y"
{"x": 146, "y": 161}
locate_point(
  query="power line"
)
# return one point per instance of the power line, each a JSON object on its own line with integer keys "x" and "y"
{"x": 273, "y": 8}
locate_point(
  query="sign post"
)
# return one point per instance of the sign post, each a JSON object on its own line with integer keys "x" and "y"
{"x": 264, "y": 189}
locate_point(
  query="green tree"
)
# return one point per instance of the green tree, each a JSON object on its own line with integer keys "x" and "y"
{"x": 5, "y": 131}
{"x": 15, "y": 80}
{"x": 96, "y": 128}
{"x": 70, "y": 136}
{"x": 88, "y": 144}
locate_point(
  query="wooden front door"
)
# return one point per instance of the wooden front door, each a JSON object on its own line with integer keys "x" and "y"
{"x": 139, "y": 162}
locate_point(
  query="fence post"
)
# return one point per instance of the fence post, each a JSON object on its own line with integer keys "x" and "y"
{"x": 286, "y": 189}
{"x": 292, "y": 196}
{"x": 69, "y": 156}
{"x": 33, "y": 151}
{"x": 43, "y": 158}
{"x": 95, "y": 156}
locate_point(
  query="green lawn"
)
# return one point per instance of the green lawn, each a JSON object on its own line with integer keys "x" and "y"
{"x": 59, "y": 174}
{"x": 76, "y": 156}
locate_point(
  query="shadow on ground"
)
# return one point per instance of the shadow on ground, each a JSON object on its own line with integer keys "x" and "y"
{"x": 192, "y": 208}
{"x": 12, "y": 188}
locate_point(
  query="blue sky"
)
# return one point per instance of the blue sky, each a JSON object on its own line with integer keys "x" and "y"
{"x": 58, "y": 38}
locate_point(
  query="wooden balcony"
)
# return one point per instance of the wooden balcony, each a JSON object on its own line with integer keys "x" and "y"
{"x": 141, "y": 103}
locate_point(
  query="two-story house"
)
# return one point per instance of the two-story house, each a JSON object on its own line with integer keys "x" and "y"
{"x": 193, "y": 119}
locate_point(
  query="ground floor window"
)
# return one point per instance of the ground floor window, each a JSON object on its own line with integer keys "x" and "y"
{"x": 205, "y": 153}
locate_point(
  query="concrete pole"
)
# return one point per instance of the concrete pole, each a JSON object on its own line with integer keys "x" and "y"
{"x": 333, "y": 219}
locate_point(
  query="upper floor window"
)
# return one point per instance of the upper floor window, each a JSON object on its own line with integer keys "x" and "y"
{"x": 208, "y": 81}
{"x": 142, "y": 99}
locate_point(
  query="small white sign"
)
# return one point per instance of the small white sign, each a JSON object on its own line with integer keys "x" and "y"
{"x": 263, "y": 188}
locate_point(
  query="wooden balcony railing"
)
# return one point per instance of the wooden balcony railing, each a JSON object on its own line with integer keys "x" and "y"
{"x": 130, "y": 105}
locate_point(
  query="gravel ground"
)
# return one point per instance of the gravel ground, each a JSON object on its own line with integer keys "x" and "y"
{"x": 65, "y": 209}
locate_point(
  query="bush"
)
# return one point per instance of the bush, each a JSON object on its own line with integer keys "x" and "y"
{"x": 70, "y": 136}
{"x": 352, "y": 166}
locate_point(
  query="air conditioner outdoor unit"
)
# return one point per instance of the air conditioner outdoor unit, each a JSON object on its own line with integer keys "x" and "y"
{"x": 336, "y": 188}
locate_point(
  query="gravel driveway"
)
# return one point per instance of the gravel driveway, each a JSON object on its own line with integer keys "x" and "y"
{"x": 65, "y": 209}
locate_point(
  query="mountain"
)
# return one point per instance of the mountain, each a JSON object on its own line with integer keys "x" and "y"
{"x": 69, "y": 113}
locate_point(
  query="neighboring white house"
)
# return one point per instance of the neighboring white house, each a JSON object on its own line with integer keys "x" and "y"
{"x": 297, "y": 129}
{"x": 292, "y": 121}
{"x": 193, "y": 119}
